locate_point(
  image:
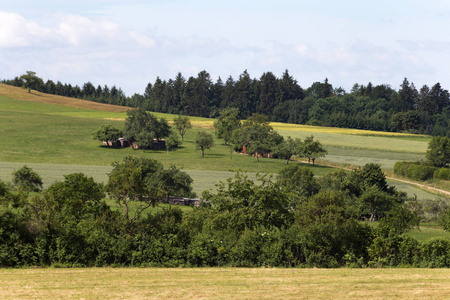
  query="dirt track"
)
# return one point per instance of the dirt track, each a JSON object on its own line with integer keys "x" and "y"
{"x": 426, "y": 187}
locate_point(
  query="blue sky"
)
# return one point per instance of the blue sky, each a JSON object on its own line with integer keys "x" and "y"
{"x": 130, "y": 43}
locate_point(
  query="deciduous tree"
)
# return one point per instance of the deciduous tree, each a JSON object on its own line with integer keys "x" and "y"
{"x": 182, "y": 124}
{"x": 31, "y": 81}
{"x": 227, "y": 122}
{"x": 143, "y": 127}
{"x": 127, "y": 183}
{"x": 289, "y": 147}
{"x": 204, "y": 140}
{"x": 25, "y": 179}
{"x": 107, "y": 133}
{"x": 313, "y": 149}
{"x": 172, "y": 141}
{"x": 438, "y": 152}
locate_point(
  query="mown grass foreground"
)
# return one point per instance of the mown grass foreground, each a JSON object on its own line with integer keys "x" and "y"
{"x": 224, "y": 283}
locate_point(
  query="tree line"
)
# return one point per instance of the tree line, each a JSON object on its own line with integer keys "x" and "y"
{"x": 291, "y": 220}
{"x": 372, "y": 107}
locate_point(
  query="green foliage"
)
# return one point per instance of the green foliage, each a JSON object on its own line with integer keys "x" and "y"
{"x": 417, "y": 170}
{"x": 312, "y": 149}
{"x": 299, "y": 182}
{"x": 6, "y": 196}
{"x": 420, "y": 172}
{"x": 128, "y": 182}
{"x": 442, "y": 173}
{"x": 182, "y": 124}
{"x": 173, "y": 141}
{"x": 227, "y": 122}
{"x": 244, "y": 224}
{"x": 27, "y": 180}
{"x": 444, "y": 220}
{"x": 143, "y": 127}
{"x": 400, "y": 167}
{"x": 438, "y": 152}
{"x": 258, "y": 137}
{"x": 172, "y": 182}
{"x": 329, "y": 229}
{"x": 107, "y": 133}
{"x": 31, "y": 81}
{"x": 398, "y": 221}
{"x": 372, "y": 175}
{"x": 288, "y": 148}
{"x": 203, "y": 140}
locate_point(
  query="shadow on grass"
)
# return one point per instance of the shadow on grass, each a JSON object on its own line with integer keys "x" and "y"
{"x": 217, "y": 155}
{"x": 112, "y": 148}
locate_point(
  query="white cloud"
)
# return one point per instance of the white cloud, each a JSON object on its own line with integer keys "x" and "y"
{"x": 81, "y": 31}
{"x": 16, "y": 31}
{"x": 142, "y": 39}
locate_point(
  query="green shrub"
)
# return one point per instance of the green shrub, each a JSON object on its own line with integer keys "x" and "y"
{"x": 436, "y": 253}
{"x": 400, "y": 167}
{"x": 420, "y": 172}
{"x": 442, "y": 173}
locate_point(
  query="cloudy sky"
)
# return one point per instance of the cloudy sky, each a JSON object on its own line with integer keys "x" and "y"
{"x": 129, "y": 43}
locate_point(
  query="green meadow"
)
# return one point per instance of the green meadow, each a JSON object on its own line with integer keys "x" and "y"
{"x": 53, "y": 135}
{"x": 56, "y": 139}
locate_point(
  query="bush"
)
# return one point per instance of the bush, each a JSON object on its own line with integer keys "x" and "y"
{"x": 436, "y": 253}
{"x": 400, "y": 167}
{"x": 420, "y": 172}
{"x": 442, "y": 173}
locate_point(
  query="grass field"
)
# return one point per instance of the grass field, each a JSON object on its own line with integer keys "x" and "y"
{"x": 53, "y": 135}
{"x": 426, "y": 233}
{"x": 62, "y": 142}
{"x": 224, "y": 283}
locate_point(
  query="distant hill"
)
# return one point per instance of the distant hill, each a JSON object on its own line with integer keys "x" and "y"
{"x": 22, "y": 94}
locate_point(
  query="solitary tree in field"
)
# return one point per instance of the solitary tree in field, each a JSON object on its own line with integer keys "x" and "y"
{"x": 27, "y": 180}
{"x": 31, "y": 81}
{"x": 107, "y": 133}
{"x": 289, "y": 147}
{"x": 313, "y": 149}
{"x": 182, "y": 124}
{"x": 204, "y": 140}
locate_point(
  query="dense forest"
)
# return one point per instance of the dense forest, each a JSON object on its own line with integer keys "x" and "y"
{"x": 371, "y": 107}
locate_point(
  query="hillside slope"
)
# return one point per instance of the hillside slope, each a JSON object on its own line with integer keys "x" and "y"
{"x": 21, "y": 94}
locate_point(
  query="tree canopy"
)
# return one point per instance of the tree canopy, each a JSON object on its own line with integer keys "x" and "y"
{"x": 31, "y": 81}
{"x": 107, "y": 133}
{"x": 182, "y": 124}
{"x": 143, "y": 127}
{"x": 27, "y": 180}
{"x": 227, "y": 122}
{"x": 313, "y": 149}
{"x": 204, "y": 140}
{"x": 438, "y": 152}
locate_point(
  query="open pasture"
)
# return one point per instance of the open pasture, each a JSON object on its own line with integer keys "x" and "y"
{"x": 53, "y": 135}
{"x": 359, "y": 157}
{"x": 426, "y": 233}
{"x": 352, "y": 141}
{"x": 224, "y": 283}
